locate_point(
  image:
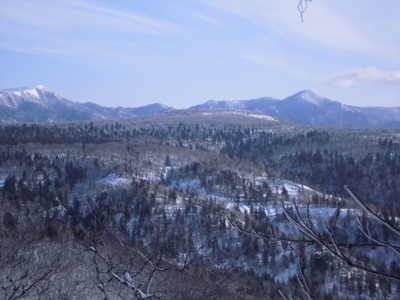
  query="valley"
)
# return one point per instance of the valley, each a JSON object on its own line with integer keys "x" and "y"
{"x": 198, "y": 205}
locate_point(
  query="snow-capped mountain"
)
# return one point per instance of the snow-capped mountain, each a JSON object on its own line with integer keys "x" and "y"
{"x": 309, "y": 108}
{"x": 39, "y": 104}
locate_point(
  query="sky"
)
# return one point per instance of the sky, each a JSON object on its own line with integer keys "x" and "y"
{"x": 185, "y": 52}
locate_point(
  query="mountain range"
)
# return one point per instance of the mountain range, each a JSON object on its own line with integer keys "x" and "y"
{"x": 40, "y": 104}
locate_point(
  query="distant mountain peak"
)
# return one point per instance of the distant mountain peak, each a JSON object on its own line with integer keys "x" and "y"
{"x": 221, "y": 105}
{"x": 309, "y": 96}
{"x": 30, "y": 93}
{"x": 27, "y": 88}
{"x": 40, "y": 87}
{"x": 157, "y": 104}
{"x": 309, "y": 93}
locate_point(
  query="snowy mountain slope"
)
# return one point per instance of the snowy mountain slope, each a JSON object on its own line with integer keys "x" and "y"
{"x": 39, "y": 104}
{"x": 308, "y": 108}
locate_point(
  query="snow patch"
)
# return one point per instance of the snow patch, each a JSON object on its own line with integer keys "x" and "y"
{"x": 246, "y": 114}
{"x": 190, "y": 184}
{"x": 312, "y": 97}
{"x": 40, "y": 87}
{"x": 33, "y": 92}
{"x": 2, "y": 181}
{"x": 114, "y": 180}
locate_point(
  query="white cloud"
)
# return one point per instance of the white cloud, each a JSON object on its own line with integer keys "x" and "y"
{"x": 366, "y": 75}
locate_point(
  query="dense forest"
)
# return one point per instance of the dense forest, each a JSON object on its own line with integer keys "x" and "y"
{"x": 198, "y": 208}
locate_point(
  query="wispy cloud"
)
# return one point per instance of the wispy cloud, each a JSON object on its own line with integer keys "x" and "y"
{"x": 72, "y": 13}
{"x": 274, "y": 62}
{"x": 336, "y": 26}
{"x": 75, "y": 27}
{"x": 366, "y": 75}
{"x": 264, "y": 60}
{"x": 206, "y": 19}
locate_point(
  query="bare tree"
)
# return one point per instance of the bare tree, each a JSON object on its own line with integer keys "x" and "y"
{"x": 124, "y": 272}
{"x": 344, "y": 251}
{"x": 327, "y": 238}
{"x": 24, "y": 273}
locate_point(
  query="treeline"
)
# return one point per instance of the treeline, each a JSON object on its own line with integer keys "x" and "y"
{"x": 64, "y": 133}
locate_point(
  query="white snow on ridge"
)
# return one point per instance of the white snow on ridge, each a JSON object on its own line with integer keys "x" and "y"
{"x": 40, "y": 87}
{"x": 13, "y": 98}
{"x": 114, "y": 180}
{"x": 33, "y": 92}
{"x": 246, "y": 114}
{"x": 291, "y": 187}
{"x": 295, "y": 190}
{"x": 312, "y": 97}
{"x": 256, "y": 116}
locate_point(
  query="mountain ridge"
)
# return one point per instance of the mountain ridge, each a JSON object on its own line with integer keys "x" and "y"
{"x": 40, "y": 104}
{"x": 308, "y": 108}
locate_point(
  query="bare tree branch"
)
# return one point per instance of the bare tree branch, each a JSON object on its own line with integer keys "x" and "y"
{"x": 302, "y": 279}
{"x": 372, "y": 214}
{"x": 302, "y": 7}
{"x": 305, "y": 227}
{"x": 368, "y": 234}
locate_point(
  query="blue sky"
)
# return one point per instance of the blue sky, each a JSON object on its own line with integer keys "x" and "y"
{"x": 184, "y": 52}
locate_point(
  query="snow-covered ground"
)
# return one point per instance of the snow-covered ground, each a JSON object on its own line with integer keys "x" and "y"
{"x": 2, "y": 180}
{"x": 114, "y": 180}
{"x": 293, "y": 189}
{"x": 191, "y": 184}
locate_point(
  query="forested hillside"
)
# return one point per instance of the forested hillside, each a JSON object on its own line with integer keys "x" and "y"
{"x": 203, "y": 206}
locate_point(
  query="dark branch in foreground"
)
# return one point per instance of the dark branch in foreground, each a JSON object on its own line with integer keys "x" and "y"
{"x": 302, "y": 7}
{"x": 328, "y": 240}
{"x": 304, "y": 225}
